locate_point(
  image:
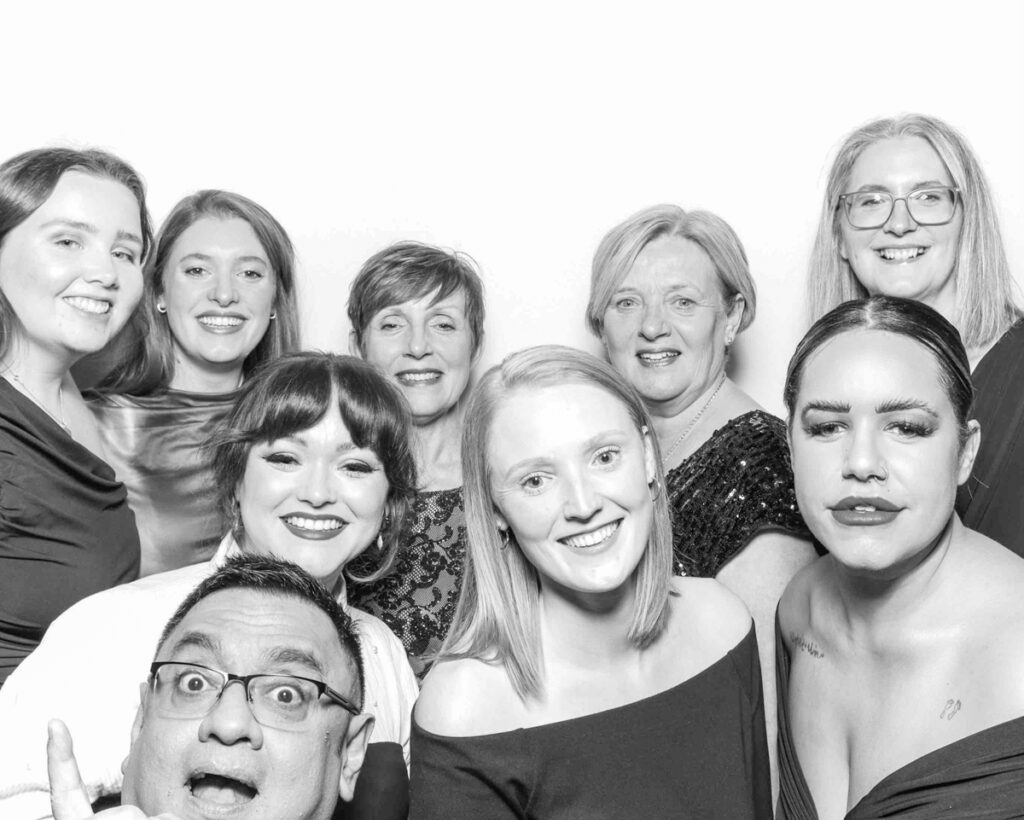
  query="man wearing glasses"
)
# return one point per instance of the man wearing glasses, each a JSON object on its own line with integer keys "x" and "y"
{"x": 252, "y": 708}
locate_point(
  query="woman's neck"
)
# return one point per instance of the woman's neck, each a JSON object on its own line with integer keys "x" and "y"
{"x": 877, "y": 606}
{"x": 191, "y": 379}
{"x": 40, "y": 377}
{"x": 586, "y": 631}
{"x": 437, "y": 450}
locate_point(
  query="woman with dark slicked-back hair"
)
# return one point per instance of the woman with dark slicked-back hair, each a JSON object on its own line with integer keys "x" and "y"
{"x": 218, "y": 301}
{"x": 908, "y": 212}
{"x": 74, "y": 232}
{"x": 311, "y": 464}
{"x": 901, "y": 652}
{"x": 417, "y": 314}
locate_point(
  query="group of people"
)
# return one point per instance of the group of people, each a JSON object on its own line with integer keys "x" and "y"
{"x": 579, "y": 588}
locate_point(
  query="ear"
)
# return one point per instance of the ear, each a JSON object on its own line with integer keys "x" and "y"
{"x": 969, "y": 452}
{"x": 650, "y": 462}
{"x": 502, "y": 521}
{"x": 357, "y": 736}
{"x": 734, "y": 314}
{"x": 353, "y": 345}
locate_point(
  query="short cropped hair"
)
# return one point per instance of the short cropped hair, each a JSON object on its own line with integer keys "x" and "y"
{"x": 496, "y": 617}
{"x": 413, "y": 270}
{"x": 149, "y": 363}
{"x": 292, "y": 394}
{"x": 273, "y": 576}
{"x": 28, "y": 180}
{"x": 620, "y": 247}
{"x": 905, "y": 317}
{"x": 984, "y": 287}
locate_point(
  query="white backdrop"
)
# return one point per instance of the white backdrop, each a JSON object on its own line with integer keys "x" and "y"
{"x": 519, "y": 132}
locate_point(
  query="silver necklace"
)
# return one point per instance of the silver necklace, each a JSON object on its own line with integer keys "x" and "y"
{"x": 39, "y": 403}
{"x": 693, "y": 423}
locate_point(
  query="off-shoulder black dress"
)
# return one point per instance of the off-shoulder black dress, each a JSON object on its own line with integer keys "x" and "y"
{"x": 696, "y": 750}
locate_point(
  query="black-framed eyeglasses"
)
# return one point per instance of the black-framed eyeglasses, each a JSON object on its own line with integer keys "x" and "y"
{"x": 927, "y": 206}
{"x": 191, "y": 690}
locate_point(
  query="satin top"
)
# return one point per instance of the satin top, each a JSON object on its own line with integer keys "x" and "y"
{"x": 66, "y": 530}
{"x": 155, "y": 445}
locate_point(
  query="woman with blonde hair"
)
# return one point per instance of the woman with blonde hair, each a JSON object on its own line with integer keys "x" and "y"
{"x": 580, "y": 677}
{"x": 908, "y": 212}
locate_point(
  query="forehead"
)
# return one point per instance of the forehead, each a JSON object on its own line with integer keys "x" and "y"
{"x": 898, "y": 160}
{"x": 214, "y": 231}
{"x": 870, "y": 366}
{"x": 248, "y": 626}
{"x": 671, "y": 261}
{"x": 429, "y": 303}
{"x": 85, "y": 196}
{"x": 329, "y": 432}
{"x": 532, "y": 420}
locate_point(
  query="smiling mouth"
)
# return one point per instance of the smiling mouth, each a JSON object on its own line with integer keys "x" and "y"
{"x": 589, "y": 540}
{"x": 657, "y": 358}
{"x": 900, "y": 254}
{"x": 314, "y": 528}
{"x": 418, "y": 377}
{"x": 221, "y": 790}
{"x": 87, "y": 305}
{"x": 214, "y": 322}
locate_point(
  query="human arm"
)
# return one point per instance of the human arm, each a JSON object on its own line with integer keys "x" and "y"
{"x": 758, "y": 575}
{"x": 69, "y": 799}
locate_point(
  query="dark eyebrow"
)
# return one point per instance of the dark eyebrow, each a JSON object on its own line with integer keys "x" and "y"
{"x": 291, "y": 656}
{"x": 202, "y": 257}
{"x": 89, "y": 228}
{"x": 196, "y": 640}
{"x": 902, "y": 405}
{"x": 824, "y": 407}
{"x": 929, "y": 183}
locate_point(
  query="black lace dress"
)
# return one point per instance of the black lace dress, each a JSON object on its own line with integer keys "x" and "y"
{"x": 738, "y": 484}
{"x": 417, "y": 598}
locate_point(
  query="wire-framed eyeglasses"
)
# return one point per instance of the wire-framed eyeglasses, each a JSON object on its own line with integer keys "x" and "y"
{"x": 934, "y": 205}
{"x": 190, "y": 690}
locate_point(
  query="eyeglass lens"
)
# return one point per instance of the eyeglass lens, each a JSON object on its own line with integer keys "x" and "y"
{"x": 189, "y": 691}
{"x": 927, "y": 206}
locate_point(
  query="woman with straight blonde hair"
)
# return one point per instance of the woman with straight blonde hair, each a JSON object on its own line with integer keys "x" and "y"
{"x": 579, "y": 675}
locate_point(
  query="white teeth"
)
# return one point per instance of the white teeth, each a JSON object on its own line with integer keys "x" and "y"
{"x": 865, "y": 508}
{"x": 900, "y": 254}
{"x": 591, "y": 539}
{"x": 427, "y": 376}
{"x": 88, "y": 305}
{"x": 220, "y": 321}
{"x": 657, "y": 357}
{"x": 318, "y": 524}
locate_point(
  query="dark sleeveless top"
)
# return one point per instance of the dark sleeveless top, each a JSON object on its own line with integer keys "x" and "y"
{"x": 696, "y": 750}
{"x": 155, "y": 445}
{"x": 737, "y": 485}
{"x": 417, "y": 598}
{"x": 66, "y": 530}
{"x": 991, "y": 501}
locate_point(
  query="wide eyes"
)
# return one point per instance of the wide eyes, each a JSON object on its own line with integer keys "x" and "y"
{"x": 605, "y": 459}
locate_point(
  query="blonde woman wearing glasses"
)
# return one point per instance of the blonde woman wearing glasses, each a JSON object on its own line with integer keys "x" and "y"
{"x": 908, "y": 212}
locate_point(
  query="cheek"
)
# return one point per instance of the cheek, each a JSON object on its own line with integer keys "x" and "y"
{"x": 379, "y": 351}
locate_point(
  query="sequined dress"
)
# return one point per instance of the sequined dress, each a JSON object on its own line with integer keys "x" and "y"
{"x": 738, "y": 484}
{"x": 417, "y": 598}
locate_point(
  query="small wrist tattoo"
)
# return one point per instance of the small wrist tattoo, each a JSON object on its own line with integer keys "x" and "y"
{"x": 807, "y": 646}
{"x": 950, "y": 709}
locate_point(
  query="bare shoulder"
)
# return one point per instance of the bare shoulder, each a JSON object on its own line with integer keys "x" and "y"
{"x": 462, "y": 697}
{"x": 804, "y": 589}
{"x": 710, "y": 610}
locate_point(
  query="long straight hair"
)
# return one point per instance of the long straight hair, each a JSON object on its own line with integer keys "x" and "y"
{"x": 497, "y": 618}
{"x": 148, "y": 363}
{"x": 985, "y": 306}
